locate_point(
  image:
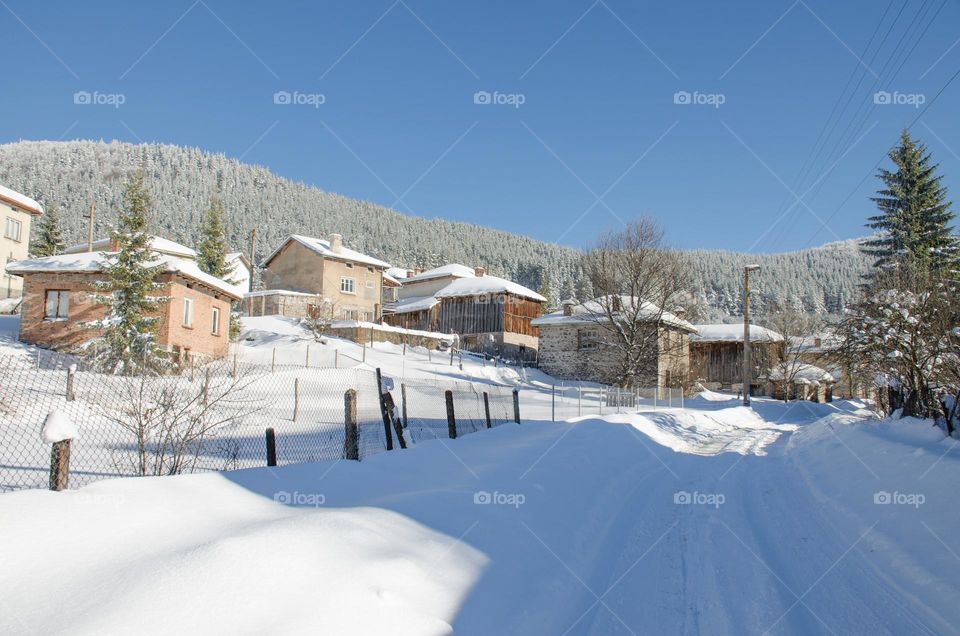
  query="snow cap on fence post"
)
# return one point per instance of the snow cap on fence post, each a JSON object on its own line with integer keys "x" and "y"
{"x": 58, "y": 427}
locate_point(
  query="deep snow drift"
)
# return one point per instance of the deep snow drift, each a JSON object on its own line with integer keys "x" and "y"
{"x": 796, "y": 519}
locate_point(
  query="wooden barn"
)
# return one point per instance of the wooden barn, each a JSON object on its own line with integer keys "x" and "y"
{"x": 716, "y": 354}
{"x": 489, "y": 314}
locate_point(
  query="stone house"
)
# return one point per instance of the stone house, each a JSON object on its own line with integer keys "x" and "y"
{"x": 348, "y": 282}
{"x": 16, "y": 214}
{"x": 574, "y": 344}
{"x": 716, "y": 355}
{"x": 59, "y": 300}
{"x": 489, "y": 314}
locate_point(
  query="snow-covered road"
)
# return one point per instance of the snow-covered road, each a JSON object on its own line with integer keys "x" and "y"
{"x": 715, "y": 519}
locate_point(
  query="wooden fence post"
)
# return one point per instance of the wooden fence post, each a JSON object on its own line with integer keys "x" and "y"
{"x": 235, "y": 363}
{"x": 486, "y": 408}
{"x": 364, "y": 351}
{"x": 271, "y": 447}
{"x": 351, "y": 438}
{"x": 383, "y": 409}
{"x": 191, "y": 370}
{"x": 206, "y": 385}
{"x": 336, "y": 358}
{"x": 273, "y": 360}
{"x": 403, "y": 395}
{"x": 71, "y": 370}
{"x": 451, "y": 355}
{"x": 60, "y": 465}
{"x": 516, "y": 405}
{"x": 451, "y": 418}
{"x": 296, "y": 398}
{"x": 308, "y": 356}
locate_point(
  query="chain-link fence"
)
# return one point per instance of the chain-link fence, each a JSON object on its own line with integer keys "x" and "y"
{"x": 215, "y": 416}
{"x": 577, "y": 401}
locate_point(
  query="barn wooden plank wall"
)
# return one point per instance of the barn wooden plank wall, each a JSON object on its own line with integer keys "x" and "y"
{"x": 722, "y": 361}
{"x": 466, "y": 315}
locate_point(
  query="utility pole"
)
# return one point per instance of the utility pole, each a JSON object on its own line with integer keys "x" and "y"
{"x": 747, "y": 367}
{"x": 89, "y": 218}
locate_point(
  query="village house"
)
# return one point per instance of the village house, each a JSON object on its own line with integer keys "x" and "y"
{"x": 239, "y": 271}
{"x": 716, "y": 355}
{"x": 59, "y": 299}
{"x": 336, "y": 279}
{"x": 794, "y": 380}
{"x": 489, "y": 314}
{"x": 574, "y": 344}
{"x": 823, "y": 350}
{"x": 16, "y": 213}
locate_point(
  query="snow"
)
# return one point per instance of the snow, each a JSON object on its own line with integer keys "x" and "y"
{"x": 453, "y": 269}
{"x": 58, "y": 427}
{"x": 733, "y": 333}
{"x": 592, "y": 311}
{"x": 700, "y": 520}
{"x": 802, "y": 373}
{"x": 486, "y": 284}
{"x": 397, "y": 273}
{"x": 9, "y": 305}
{"x": 20, "y": 200}
{"x": 415, "y": 303}
{"x": 360, "y": 324}
{"x": 322, "y": 247}
{"x": 157, "y": 244}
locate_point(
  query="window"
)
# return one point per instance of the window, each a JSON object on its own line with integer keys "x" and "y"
{"x": 348, "y": 265}
{"x": 589, "y": 339}
{"x": 369, "y": 284}
{"x": 369, "y": 269}
{"x": 349, "y": 314}
{"x": 188, "y": 312}
{"x": 215, "y": 321}
{"x": 347, "y": 285}
{"x": 13, "y": 229}
{"x": 58, "y": 304}
{"x": 368, "y": 316}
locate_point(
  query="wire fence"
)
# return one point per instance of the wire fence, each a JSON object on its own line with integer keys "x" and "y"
{"x": 577, "y": 401}
{"x": 215, "y": 416}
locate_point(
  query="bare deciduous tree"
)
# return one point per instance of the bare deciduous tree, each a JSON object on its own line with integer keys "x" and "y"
{"x": 635, "y": 278}
{"x": 797, "y": 329}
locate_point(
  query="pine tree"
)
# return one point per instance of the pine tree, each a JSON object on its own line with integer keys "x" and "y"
{"x": 129, "y": 290}
{"x": 915, "y": 216}
{"x": 49, "y": 240}
{"x": 212, "y": 250}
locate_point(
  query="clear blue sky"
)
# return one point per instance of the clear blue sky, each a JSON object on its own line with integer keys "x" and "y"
{"x": 399, "y": 125}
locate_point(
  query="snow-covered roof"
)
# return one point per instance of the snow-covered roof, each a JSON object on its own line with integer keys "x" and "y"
{"x": 802, "y": 374}
{"x": 322, "y": 247}
{"x": 397, "y": 272}
{"x": 813, "y": 344}
{"x": 277, "y": 292}
{"x": 733, "y": 333}
{"x": 230, "y": 257}
{"x": 85, "y": 262}
{"x": 455, "y": 270}
{"x": 20, "y": 200}
{"x": 387, "y": 278}
{"x": 486, "y": 284}
{"x": 157, "y": 244}
{"x": 592, "y": 312}
{"x": 414, "y": 303}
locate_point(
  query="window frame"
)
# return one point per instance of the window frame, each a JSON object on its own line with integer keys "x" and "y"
{"x": 12, "y": 222}
{"x": 215, "y": 321}
{"x": 352, "y": 285}
{"x": 588, "y": 339}
{"x": 187, "y": 313}
{"x": 63, "y": 301}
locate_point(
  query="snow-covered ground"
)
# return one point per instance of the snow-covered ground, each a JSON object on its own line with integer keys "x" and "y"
{"x": 715, "y": 518}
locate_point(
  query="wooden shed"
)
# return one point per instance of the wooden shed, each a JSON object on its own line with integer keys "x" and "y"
{"x": 716, "y": 354}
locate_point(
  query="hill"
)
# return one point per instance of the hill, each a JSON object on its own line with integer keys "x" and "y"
{"x": 73, "y": 174}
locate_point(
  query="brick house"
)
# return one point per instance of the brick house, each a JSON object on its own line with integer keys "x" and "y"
{"x": 59, "y": 300}
{"x": 490, "y": 314}
{"x": 352, "y": 282}
{"x": 16, "y": 213}
{"x": 573, "y": 345}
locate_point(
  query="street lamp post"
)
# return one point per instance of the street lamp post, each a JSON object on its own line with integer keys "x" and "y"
{"x": 747, "y": 367}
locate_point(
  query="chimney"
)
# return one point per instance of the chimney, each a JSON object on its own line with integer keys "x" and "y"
{"x": 616, "y": 303}
{"x": 410, "y": 273}
{"x": 417, "y": 271}
{"x": 568, "y": 306}
{"x": 336, "y": 243}
{"x": 479, "y": 271}
{"x": 680, "y": 312}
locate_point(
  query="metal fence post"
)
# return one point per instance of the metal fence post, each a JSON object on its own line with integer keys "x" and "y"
{"x": 351, "y": 438}
{"x": 681, "y": 397}
{"x": 451, "y": 419}
{"x": 486, "y": 408}
{"x": 553, "y": 402}
{"x": 670, "y": 396}
{"x": 403, "y": 396}
{"x": 271, "y": 447}
{"x": 71, "y": 370}
{"x": 516, "y": 405}
{"x": 579, "y": 401}
{"x": 273, "y": 360}
{"x": 296, "y": 398}
{"x": 618, "y": 399}
{"x": 308, "y": 357}
{"x": 601, "y": 400}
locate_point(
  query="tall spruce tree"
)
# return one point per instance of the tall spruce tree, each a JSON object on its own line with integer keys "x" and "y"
{"x": 914, "y": 223}
{"x": 212, "y": 250}
{"x": 49, "y": 240}
{"x": 130, "y": 288}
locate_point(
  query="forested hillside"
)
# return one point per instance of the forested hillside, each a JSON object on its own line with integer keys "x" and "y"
{"x": 74, "y": 174}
